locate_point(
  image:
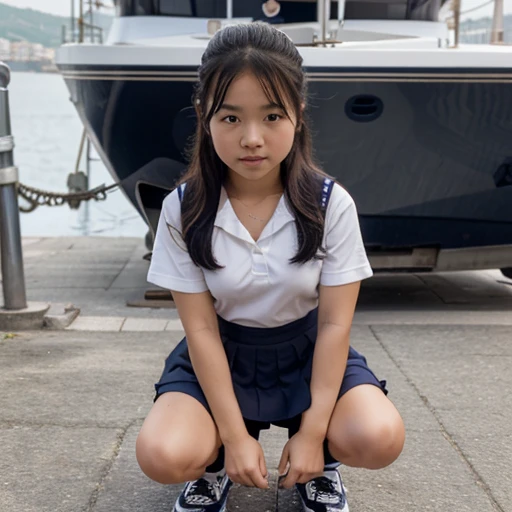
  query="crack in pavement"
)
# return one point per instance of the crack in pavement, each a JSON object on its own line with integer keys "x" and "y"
{"x": 134, "y": 250}
{"x": 93, "y": 499}
{"x": 478, "y": 478}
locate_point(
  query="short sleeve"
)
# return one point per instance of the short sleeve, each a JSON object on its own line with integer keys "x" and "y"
{"x": 171, "y": 266}
{"x": 346, "y": 260}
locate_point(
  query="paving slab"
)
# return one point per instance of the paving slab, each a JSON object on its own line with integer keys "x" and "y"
{"x": 490, "y": 457}
{"x": 53, "y": 468}
{"x": 126, "y": 488}
{"x": 470, "y": 364}
{"x": 464, "y": 374}
{"x": 415, "y": 414}
{"x": 429, "y": 475}
{"x": 68, "y": 378}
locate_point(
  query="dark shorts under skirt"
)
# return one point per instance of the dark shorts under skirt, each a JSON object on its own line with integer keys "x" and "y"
{"x": 270, "y": 369}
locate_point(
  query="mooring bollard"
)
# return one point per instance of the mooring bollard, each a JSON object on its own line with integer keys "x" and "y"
{"x": 15, "y": 314}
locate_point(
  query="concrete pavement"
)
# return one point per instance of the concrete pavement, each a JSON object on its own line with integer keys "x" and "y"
{"x": 72, "y": 402}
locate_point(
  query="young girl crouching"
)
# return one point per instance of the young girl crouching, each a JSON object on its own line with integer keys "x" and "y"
{"x": 264, "y": 256}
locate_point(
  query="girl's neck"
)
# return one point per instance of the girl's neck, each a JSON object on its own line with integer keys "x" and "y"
{"x": 249, "y": 189}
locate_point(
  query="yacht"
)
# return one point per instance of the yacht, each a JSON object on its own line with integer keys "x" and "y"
{"x": 418, "y": 131}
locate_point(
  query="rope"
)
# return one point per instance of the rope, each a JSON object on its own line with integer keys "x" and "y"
{"x": 37, "y": 197}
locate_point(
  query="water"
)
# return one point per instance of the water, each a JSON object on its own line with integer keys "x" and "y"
{"x": 47, "y": 135}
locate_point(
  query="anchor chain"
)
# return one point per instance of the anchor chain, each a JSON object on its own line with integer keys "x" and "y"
{"x": 37, "y": 197}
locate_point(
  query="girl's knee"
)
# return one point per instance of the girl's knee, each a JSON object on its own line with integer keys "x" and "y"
{"x": 372, "y": 446}
{"x": 167, "y": 462}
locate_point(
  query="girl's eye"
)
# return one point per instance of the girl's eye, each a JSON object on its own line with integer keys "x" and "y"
{"x": 274, "y": 117}
{"x": 231, "y": 119}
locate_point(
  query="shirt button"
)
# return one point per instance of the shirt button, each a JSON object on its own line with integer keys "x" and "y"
{"x": 259, "y": 265}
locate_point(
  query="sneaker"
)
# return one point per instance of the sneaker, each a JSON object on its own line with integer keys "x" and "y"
{"x": 208, "y": 494}
{"x": 324, "y": 494}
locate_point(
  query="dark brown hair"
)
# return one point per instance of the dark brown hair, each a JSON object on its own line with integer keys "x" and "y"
{"x": 274, "y": 60}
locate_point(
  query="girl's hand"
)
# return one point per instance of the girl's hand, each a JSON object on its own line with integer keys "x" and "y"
{"x": 303, "y": 454}
{"x": 245, "y": 462}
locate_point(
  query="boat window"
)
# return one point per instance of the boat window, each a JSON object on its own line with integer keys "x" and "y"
{"x": 175, "y": 8}
{"x": 188, "y": 8}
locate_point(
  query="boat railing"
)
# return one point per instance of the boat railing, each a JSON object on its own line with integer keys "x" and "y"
{"x": 323, "y": 18}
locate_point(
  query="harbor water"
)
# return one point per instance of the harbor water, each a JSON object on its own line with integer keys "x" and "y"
{"x": 47, "y": 134}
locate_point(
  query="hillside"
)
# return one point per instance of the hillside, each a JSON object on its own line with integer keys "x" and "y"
{"x": 37, "y": 27}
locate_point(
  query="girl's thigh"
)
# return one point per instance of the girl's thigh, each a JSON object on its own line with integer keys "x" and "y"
{"x": 177, "y": 439}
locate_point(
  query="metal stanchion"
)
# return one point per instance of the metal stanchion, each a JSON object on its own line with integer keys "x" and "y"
{"x": 15, "y": 313}
{"x": 10, "y": 238}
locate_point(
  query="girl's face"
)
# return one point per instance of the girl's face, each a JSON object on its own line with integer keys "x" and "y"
{"x": 251, "y": 135}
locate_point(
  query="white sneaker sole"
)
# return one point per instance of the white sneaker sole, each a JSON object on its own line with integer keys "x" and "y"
{"x": 178, "y": 508}
{"x": 307, "y": 509}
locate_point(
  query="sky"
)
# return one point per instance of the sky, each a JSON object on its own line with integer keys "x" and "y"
{"x": 63, "y": 7}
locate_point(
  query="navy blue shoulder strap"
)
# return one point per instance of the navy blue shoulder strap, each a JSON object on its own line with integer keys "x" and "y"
{"x": 326, "y": 193}
{"x": 181, "y": 191}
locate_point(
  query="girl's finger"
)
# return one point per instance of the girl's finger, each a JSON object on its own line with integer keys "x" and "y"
{"x": 246, "y": 480}
{"x": 283, "y": 462}
{"x": 263, "y": 467}
{"x": 257, "y": 479}
{"x": 291, "y": 479}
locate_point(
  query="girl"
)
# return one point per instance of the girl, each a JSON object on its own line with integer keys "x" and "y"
{"x": 264, "y": 257}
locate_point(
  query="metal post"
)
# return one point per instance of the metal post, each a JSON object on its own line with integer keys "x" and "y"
{"x": 341, "y": 12}
{"x": 497, "y": 23}
{"x": 73, "y": 21}
{"x": 456, "y": 21}
{"x": 229, "y": 9}
{"x": 81, "y": 21}
{"x": 323, "y": 14}
{"x": 91, "y": 21}
{"x": 13, "y": 278}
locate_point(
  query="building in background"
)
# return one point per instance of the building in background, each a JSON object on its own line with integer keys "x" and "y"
{"x": 5, "y": 49}
{"x": 25, "y": 56}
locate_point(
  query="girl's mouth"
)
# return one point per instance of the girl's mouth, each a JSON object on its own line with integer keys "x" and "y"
{"x": 253, "y": 160}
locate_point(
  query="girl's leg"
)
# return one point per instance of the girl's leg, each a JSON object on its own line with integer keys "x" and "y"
{"x": 178, "y": 440}
{"x": 366, "y": 430}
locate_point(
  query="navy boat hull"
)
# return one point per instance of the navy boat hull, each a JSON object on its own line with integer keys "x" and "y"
{"x": 426, "y": 154}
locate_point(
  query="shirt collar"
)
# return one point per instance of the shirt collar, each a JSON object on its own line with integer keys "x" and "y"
{"x": 227, "y": 220}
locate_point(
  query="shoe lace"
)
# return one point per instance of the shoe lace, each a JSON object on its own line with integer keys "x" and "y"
{"x": 203, "y": 491}
{"x": 325, "y": 490}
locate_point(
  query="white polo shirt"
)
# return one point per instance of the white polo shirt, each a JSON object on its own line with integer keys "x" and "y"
{"x": 258, "y": 287}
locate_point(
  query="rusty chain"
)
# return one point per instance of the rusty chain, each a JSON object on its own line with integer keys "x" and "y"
{"x": 37, "y": 197}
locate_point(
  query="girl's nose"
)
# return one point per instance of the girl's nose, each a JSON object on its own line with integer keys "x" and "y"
{"x": 251, "y": 137}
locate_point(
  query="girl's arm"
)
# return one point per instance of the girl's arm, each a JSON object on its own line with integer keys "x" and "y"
{"x": 304, "y": 451}
{"x": 244, "y": 457}
{"x": 335, "y": 314}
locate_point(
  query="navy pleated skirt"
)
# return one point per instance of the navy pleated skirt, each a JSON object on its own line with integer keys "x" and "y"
{"x": 270, "y": 368}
